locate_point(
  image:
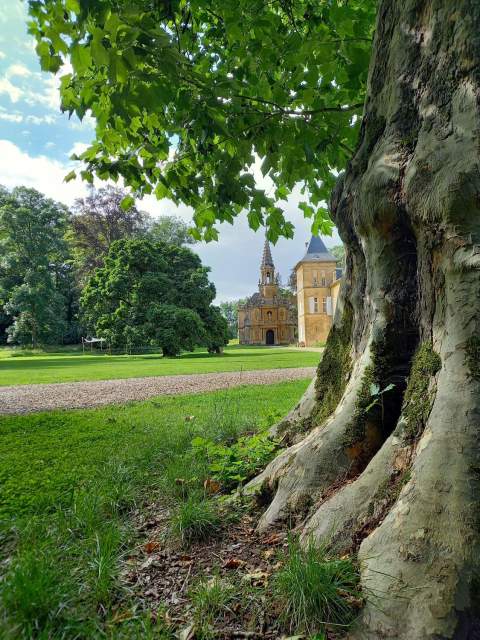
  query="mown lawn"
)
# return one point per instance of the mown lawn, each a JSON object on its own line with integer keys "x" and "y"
{"x": 70, "y": 481}
{"x": 16, "y": 368}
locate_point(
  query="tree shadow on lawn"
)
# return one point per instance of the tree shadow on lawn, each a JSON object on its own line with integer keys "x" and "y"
{"x": 90, "y": 361}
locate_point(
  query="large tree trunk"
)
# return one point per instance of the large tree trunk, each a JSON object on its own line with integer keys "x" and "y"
{"x": 399, "y": 480}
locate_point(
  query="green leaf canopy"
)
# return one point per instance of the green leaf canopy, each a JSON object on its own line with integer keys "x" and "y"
{"x": 187, "y": 94}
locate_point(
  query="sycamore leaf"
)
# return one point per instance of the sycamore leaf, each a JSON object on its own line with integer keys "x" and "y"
{"x": 127, "y": 203}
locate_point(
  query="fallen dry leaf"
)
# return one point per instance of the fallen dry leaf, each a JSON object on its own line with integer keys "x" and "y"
{"x": 211, "y": 486}
{"x": 233, "y": 563}
{"x": 274, "y": 538}
{"x": 151, "y": 546}
{"x": 188, "y": 632}
{"x": 257, "y": 578}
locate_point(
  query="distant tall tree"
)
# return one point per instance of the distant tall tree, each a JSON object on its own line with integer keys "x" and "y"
{"x": 229, "y": 311}
{"x": 99, "y": 219}
{"x": 34, "y": 251}
{"x": 172, "y": 230}
{"x": 151, "y": 293}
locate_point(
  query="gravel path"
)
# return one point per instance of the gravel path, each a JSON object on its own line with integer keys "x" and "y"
{"x": 27, "y": 398}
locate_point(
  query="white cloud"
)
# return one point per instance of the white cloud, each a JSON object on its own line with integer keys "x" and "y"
{"x": 50, "y": 97}
{"x": 11, "y": 117}
{"x": 87, "y": 122}
{"x": 12, "y": 91}
{"x": 39, "y": 172}
{"x": 19, "y": 70}
{"x": 41, "y": 119}
{"x": 2, "y": 55}
{"x": 78, "y": 148}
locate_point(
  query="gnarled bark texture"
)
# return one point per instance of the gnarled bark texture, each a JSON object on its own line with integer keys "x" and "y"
{"x": 396, "y": 475}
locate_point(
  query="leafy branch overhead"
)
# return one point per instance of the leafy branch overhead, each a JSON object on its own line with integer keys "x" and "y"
{"x": 187, "y": 93}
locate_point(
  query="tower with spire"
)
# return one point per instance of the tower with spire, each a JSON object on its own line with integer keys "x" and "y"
{"x": 267, "y": 317}
{"x": 268, "y": 286}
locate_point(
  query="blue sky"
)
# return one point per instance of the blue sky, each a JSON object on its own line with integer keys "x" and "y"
{"x": 37, "y": 140}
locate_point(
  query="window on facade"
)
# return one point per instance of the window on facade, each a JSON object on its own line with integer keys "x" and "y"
{"x": 324, "y": 305}
{"x": 269, "y": 315}
{"x": 324, "y": 280}
{"x": 329, "y": 306}
{"x": 268, "y": 277}
{"x": 313, "y": 305}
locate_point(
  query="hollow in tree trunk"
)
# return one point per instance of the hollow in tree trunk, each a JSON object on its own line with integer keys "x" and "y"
{"x": 385, "y": 450}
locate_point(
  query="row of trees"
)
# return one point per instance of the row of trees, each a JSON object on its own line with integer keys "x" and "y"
{"x": 104, "y": 270}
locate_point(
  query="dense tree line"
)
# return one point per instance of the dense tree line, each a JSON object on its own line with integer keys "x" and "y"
{"x": 101, "y": 268}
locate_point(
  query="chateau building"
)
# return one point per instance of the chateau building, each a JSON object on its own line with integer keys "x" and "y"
{"x": 318, "y": 284}
{"x": 267, "y": 317}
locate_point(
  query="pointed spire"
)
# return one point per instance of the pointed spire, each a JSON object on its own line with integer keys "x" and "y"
{"x": 267, "y": 260}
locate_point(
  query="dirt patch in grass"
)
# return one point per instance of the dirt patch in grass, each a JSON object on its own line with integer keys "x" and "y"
{"x": 163, "y": 579}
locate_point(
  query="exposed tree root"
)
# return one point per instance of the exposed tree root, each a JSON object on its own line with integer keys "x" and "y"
{"x": 304, "y": 470}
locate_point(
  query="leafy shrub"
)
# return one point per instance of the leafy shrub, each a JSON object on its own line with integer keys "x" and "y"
{"x": 316, "y": 590}
{"x": 233, "y": 465}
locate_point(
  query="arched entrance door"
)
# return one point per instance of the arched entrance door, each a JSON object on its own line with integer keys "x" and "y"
{"x": 270, "y": 337}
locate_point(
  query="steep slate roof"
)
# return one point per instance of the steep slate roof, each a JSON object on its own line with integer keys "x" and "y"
{"x": 317, "y": 252}
{"x": 267, "y": 260}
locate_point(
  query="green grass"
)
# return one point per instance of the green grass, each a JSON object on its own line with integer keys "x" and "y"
{"x": 68, "y": 366}
{"x": 211, "y": 598}
{"x": 196, "y": 519}
{"x": 69, "y": 483}
{"x": 317, "y": 591}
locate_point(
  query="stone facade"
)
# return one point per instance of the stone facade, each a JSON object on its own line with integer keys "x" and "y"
{"x": 267, "y": 317}
{"x": 318, "y": 284}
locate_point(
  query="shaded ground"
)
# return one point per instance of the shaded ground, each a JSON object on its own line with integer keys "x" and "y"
{"x": 162, "y": 580}
{"x": 20, "y": 399}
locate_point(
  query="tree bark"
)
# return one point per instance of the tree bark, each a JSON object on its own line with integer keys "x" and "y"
{"x": 396, "y": 475}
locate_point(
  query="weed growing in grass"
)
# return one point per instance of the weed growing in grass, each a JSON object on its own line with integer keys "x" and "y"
{"x": 316, "y": 590}
{"x": 195, "y": 520}
{"x": 235, "y": 464}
